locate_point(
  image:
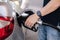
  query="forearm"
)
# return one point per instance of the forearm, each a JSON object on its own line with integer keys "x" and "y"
{"x": 50, "y": 7}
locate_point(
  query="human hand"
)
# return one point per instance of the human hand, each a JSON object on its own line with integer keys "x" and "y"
{"x": 31, "y": 20}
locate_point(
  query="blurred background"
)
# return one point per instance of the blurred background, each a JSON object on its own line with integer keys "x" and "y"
{"x": 17, "y": 7}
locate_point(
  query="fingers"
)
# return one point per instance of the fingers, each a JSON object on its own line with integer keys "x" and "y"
{"x": 29, "y": 23}
{"x": 31, "y": 20}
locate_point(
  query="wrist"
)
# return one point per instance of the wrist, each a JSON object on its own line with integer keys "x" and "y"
{"x": 39, "y": 14}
